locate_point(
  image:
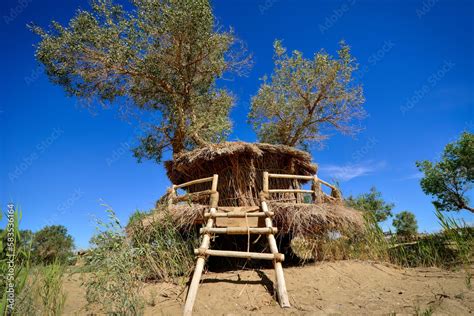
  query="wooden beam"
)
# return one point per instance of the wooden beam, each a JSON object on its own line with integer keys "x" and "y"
{"x": 290, "y": 191}
{"x": 197, "y": 181}
{"x": 238, "y": 214}
{"x": 240, "y": 254}
{"x": 240, "y": 209}
{"x": 289, "y": 176}
{"x": 239, "y": 230}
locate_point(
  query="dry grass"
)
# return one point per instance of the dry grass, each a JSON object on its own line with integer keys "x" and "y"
{"x": 315, "y": 219}
{"x": 290, "y": 218}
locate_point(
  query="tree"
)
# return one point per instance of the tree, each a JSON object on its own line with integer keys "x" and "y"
{"x": 163, "y": 55}
{"x": 306, "y": 97}
{"x": 449, "y": 180}
{"x": 52, "y": 243}
{"x": 372, "y": 203}
{"x": 405, "y": 223}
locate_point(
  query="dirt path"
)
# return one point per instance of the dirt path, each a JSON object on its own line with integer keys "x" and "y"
{"x": 343, "y": 287}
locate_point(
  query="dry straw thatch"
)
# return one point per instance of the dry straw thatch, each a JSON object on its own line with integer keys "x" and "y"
{"x": 290, "y": 218}
{"x": 240, "y": 168}
{"x": 315, "y": 219}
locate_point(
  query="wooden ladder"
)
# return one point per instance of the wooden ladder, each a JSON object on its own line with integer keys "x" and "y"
{"x": 215, "y": 214}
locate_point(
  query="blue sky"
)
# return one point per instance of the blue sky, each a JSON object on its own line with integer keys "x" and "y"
{"x": 60, "y": 162}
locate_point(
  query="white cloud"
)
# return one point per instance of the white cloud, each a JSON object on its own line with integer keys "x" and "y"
{"x": 350, "y": 171}
{"x": 413, "y": 176}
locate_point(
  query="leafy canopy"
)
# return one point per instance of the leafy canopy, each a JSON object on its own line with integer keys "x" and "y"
{"x": 164, "y": 55}
{"x": 372, "y": 203}
{"x": 405, "y": 223}
{"x": 52, "y": 243}
{"x": 306, "y": 97}
{"x": 449, "y": 180}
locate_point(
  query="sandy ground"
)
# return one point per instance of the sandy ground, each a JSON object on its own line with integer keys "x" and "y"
{"x": 343, "y": 287}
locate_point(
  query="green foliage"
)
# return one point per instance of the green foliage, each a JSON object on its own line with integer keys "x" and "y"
{"x": 453, "y": 247}
{"x": 37, "y": 290}
{"x": 52, "y": 243}
{"x": 160, "y": 56}
{"x": 14, "y": 262}
{"x": 452, "y": 177}
{"x": 49, "y": 288}
{"x": 114, "y": 283}
{"x": 372, "y": 203}
{"x": 119, "y": 264}
{"x": 306, "y": 97}
{"x": 43, "y": 293}
{"x": 405, "y": 224}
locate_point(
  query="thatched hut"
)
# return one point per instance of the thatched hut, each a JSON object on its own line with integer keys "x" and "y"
{"x": 240, "y": 167}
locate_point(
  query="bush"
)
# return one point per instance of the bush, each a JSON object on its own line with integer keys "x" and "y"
{"x": 119, "y": 263}
{"x": 405, "y": 224}
{"x": 114, "y": 283}
{"x": 52, "y": 244}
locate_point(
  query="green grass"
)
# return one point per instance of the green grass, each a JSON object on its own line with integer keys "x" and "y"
{"x": 452, "y": 247}
{"x": 38, "y": 289}
{"x": 119, "y": 264}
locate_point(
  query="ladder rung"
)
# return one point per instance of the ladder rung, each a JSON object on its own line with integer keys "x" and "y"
{"x": 238, "y": 208}
{"x": 240, "y": 254}
{"x": 238, "y": 214}
{"x": 239, "y": 230}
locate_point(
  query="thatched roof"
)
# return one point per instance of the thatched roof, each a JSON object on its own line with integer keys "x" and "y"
{"x": 187, "y": 165}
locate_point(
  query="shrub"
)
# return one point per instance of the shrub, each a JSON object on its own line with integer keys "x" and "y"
{"x": 52, "y": 244}
{"x": 114, "y": 283}
{"x": 405, "y": 224}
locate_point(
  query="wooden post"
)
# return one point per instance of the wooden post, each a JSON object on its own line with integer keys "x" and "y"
{"x": 265, "y": 182}
{"x": 215, "y": 195}
{"x": 280, "y": 277}
{"x": 172, "y": 195}
{"x": 206, "y": 239}
{"x": 317, "y": 195}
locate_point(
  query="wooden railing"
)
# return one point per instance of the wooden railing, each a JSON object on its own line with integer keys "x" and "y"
{"x": 317, "y": 193}
{"x": 173, "y": 196}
